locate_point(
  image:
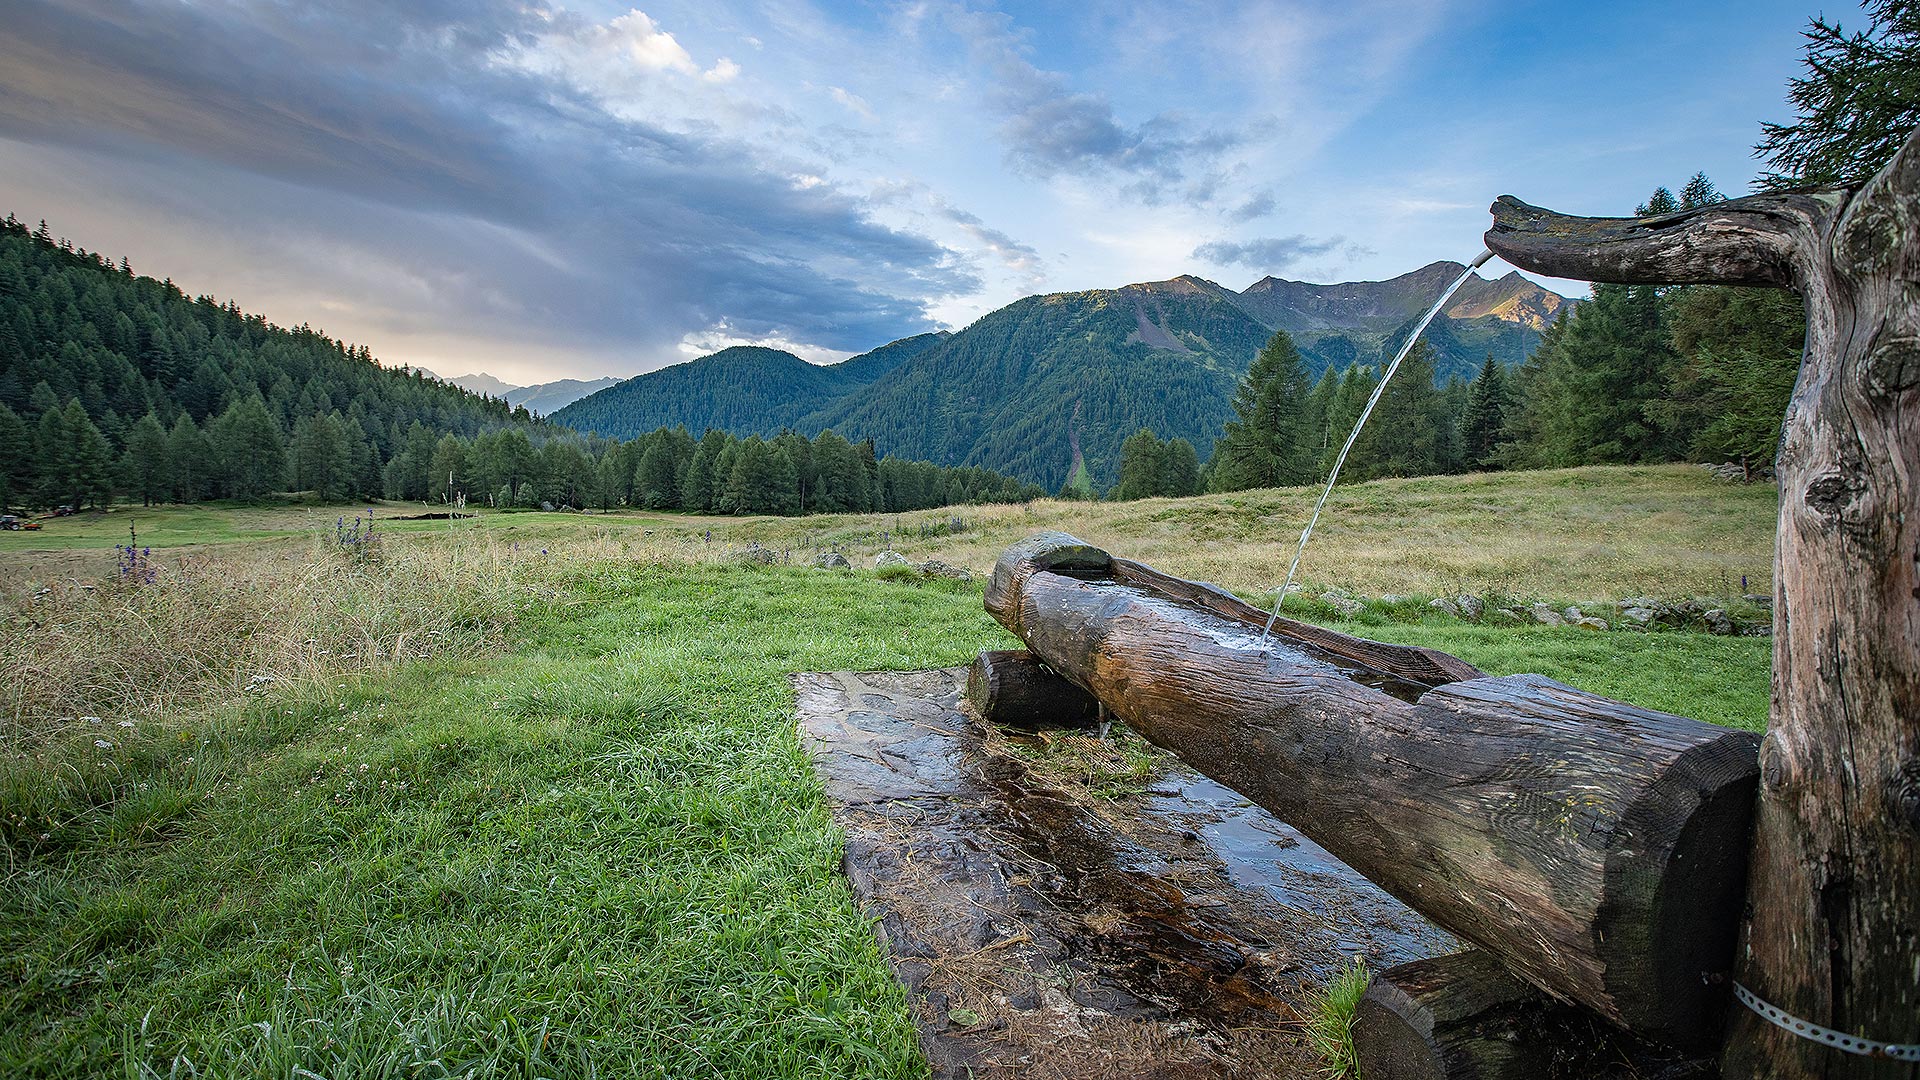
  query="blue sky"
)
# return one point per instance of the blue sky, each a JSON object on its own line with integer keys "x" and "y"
{"x": 545, "y": 190}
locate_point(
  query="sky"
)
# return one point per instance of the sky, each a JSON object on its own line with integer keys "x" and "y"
{"x": 545, "y": 191}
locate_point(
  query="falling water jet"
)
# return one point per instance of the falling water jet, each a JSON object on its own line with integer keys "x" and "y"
{"x": 1281, "y": 596}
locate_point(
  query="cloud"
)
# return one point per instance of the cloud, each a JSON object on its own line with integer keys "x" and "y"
{"x": 1021, "y": 258}
{"x": 413, "y": 175}
{"x": 1266, "y": 254}
{"x": 1258, "y": 205}
{"x": 1049, "y": 129}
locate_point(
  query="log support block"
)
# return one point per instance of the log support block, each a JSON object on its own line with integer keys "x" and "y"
{"x": 1013, "y": 688}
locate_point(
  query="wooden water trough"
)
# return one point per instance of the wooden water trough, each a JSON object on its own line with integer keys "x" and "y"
{"x": 1596, "y": 850}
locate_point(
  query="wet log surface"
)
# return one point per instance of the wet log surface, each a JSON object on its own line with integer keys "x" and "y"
{"x": 1044, "y": 931}
{"x": 1464, "y": 1017}
{"x": 1595, "y": 847}
{"x": 1833, "y": 926}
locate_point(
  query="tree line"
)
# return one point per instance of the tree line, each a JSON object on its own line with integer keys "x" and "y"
{"x": 118, "y": 386}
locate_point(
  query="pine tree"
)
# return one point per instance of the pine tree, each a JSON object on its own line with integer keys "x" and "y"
{"x": 1179, "y": 468}
{"x": 1140, "y": 467}
{"x": 1485, "y": 417}
{"x": 1407, "y": 433}
{"x": 249, "y": 449}
{"x": 1265, "y": 444}
{"x": 1859, "y": 100}
{"x": 16, "y": 457}
{"x": 143, "y": 467}
{"x": 189, "y": 461}
{"x": 321, "y": 461}
{"x": 657, "y": 478}
{"x": 762, "y": 481}
{"x": 92, "y": 459}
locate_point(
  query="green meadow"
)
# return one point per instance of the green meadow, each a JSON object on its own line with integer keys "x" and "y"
{"x": 521, "y": 795}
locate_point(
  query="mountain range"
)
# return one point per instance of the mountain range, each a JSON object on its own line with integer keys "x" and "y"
{"x": 541, "y": 399}
{"x": 1018, "y": 389}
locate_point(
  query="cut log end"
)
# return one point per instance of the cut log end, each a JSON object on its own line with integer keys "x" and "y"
{"x": 1464, "y": 1017}
{"x": 1012, "y": 688}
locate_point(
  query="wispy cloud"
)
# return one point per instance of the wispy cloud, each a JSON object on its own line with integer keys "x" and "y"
{"x": 1266, "y": 254}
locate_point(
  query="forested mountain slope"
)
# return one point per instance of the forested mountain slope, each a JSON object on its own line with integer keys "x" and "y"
{"x": 745, "y": 390}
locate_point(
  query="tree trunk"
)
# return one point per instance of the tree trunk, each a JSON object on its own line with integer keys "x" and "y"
{"x": 1833, "y": 927}
{"x": 1593, "y": 846}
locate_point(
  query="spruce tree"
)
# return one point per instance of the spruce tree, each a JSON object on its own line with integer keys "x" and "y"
{"x": 1179, "y": 468}
{"x": 249, "y": 449}
{"x": 1485, "y": 417}
{"x": 1264, "y": 445}
{"x": 1859, "y": 100}
{"x": 1407, "y": 433}
{"x": 1141, "y": 462}
{"x": 189, "y": 460}
{"x": 143, "y": 466}
{"x": 16, "y": 457}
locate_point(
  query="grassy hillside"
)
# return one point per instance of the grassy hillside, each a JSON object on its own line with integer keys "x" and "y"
{"x": 522, "y": 794}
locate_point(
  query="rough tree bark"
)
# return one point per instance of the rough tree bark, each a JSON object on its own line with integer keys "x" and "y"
{"x": 1593, "y": 846}
{"x": 1833, "y": 927}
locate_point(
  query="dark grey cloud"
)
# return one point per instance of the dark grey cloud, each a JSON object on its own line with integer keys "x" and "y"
{"x": 1049, "y": 129}
{"x": 1267, "y": 253}
{"x": 515, "y": 200}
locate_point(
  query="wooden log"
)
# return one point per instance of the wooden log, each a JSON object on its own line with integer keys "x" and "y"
{"x": 1832, "y": 933}
{"x": 1593, "y": 846}
{"x": 1011, "y": 687}
{"x": 1464, "y": 1017}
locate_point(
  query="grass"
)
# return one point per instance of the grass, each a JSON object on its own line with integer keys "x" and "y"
{"x": 1329, "y": 1026}
{"x": 602, "y": 854}
{"x": 524, "y": 796}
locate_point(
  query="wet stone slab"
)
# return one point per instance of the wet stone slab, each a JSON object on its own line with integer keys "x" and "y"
{"x": 1043, "y": 932}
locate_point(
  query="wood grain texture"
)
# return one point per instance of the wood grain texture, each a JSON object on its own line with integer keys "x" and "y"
{"x": 1833, "y": 933}
{"x": 1013, "y": 688}
{"x": 1593, "y": 846}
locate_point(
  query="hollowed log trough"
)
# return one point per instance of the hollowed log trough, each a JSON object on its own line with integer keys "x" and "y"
{"x": 1598, "y": 850}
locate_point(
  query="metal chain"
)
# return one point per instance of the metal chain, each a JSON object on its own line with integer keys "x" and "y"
{"x": 1839, "y": 1040}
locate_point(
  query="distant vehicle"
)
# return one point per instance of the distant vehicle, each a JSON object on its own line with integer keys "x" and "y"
{"x": 64, "y": 511}
{"x": 14, "y": 524}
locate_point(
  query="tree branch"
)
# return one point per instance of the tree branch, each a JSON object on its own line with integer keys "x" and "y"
{"x": 1757, "y": 240}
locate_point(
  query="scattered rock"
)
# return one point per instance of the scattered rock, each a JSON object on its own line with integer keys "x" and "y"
{"x": 831, "y": 560}
{"x": 546, "y": 506}
{"x": 1572, "y": 613}
{"x": 1506, "y": 614}
{"x": 1546, "y": 616}
{"x": 1346, "y": 605}
{"x": 936, "y": 568}
{"x": 891, "y": 558}
{"x": 1470, "y": 606}
{"x": 1588, "y": 622}
{"x": 1392, "y": 598}
{"x": 1718, "y": 622}
{"x": 1640, "y": 616}
{"x": 1441, "y": 603}
{"x": 1765, "y": 601}
{"x": 756, "y": 554}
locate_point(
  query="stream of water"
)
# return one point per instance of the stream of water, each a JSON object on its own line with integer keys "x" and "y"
{"x": 1334, "y": 475}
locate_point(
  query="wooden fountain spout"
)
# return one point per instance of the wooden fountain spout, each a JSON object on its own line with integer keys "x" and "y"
{"x": 1832, "y": 934}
